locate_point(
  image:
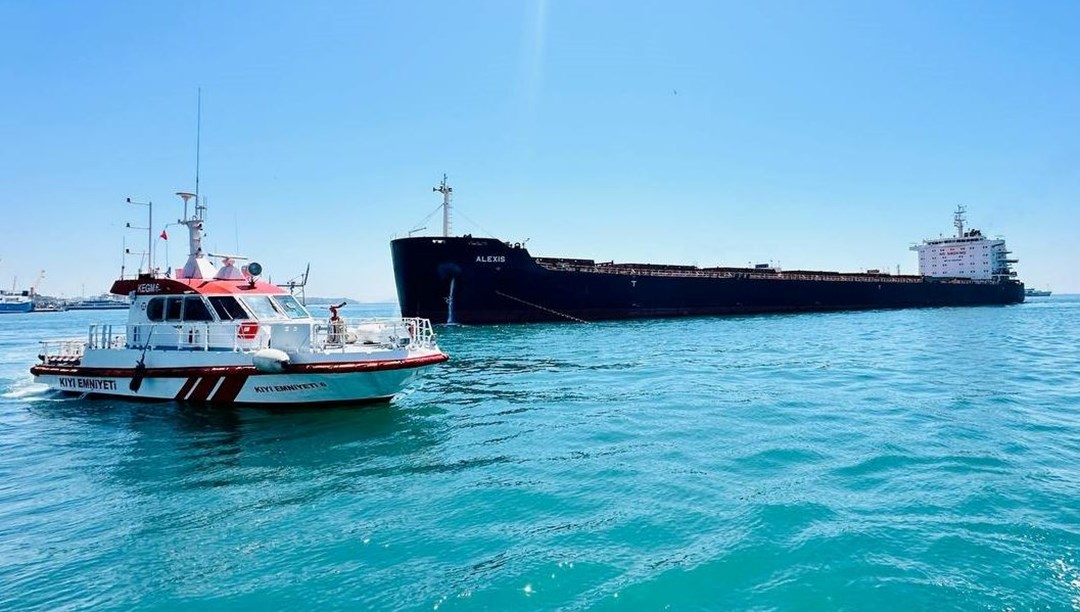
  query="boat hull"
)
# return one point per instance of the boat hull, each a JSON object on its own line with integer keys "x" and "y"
{"x": 480, "y": 281}
{"x": 313, "y": 383}
{"x": 16, "y": 307}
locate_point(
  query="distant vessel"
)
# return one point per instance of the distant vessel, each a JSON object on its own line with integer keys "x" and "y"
{"x": 48, "y": 307}
{"x": 11, "y": 302}
{"x": 101, "y": 302}
{"x": 15, "y": 301}
{"x": 466, "y": 279}
{"x": 210, "y": 334}
{"x": 1036, "y": 292}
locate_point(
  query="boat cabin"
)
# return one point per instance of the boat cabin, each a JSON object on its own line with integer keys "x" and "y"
{"x": 214, "y": 315}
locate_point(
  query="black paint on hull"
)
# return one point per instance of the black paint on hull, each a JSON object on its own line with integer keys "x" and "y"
{"x": 494, "y": 282}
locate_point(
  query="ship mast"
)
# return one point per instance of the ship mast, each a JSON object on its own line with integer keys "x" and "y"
{"x": 445, "y": 190}
{"x": 958, "y": 220}
{"x": 197, "y": 266}
{"x": 198, "y": 142}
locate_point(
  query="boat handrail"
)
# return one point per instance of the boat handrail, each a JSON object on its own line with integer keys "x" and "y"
{"x": 249, "y": 336}
{"x": 386, "y": 331}
{"x": 772, "y": 275}
{"x": 62, "y": 348}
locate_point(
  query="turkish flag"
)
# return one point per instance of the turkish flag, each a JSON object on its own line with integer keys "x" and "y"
{"x": 164, "y": 236}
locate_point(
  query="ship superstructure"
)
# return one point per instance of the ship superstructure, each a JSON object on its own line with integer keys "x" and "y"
{"x": 968, "y": 254}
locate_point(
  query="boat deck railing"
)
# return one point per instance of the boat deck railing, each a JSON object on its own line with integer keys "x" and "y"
{"x": 341, "y": 335}
{"x": 769, "y": 274}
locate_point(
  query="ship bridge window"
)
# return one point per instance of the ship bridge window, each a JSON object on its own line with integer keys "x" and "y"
{"x": 228, "y": 309}
{"x": 262, "y": 307}
{"x": 291, "y": 308}
{"x": 155, "y": 309}
{"x": 174, "y": 307}
{"x": 195, "y": 309}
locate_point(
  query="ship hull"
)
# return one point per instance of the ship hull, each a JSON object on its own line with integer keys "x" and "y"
{"x": 302, "y": 384}
{"x": 16, "y": 307}
{"x": 481, "y": 281}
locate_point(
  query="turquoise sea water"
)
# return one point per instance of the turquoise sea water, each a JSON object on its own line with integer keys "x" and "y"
{"x": 905, "y": 460}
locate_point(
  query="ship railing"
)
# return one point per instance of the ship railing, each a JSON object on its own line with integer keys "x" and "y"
{"x": 106, "y": 336}
{"x": 72, "y": 349}
{"x": 62, "y": 350}
{"x": 249, "y": 336}
{"x": 239, "y": 336}
{"x": 750, "y": 274}
{"x": 342, "y": 334}
{"x": 729, "y": 274}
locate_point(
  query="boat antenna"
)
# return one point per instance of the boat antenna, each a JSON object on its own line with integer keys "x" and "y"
{"x": 198, "y": 135}
{"x": 296, "y": 287}
{"x": 958, "y": 220}
{"x": 445, "y": 190}
{"x": 149, "y": 204}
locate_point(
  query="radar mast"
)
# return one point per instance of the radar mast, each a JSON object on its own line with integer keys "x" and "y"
{"x": 197, "y": 266}
{"x": 958, "y": 220}
{"x": 445, "y": 190}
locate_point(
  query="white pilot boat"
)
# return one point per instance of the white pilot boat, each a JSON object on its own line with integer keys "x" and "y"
{"x": 222, "y": 335}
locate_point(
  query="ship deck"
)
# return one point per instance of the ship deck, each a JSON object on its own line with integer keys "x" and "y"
{"x": 634, "y": 269}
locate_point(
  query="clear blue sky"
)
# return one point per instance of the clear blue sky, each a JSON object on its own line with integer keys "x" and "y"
{"x": 816, "y": 135}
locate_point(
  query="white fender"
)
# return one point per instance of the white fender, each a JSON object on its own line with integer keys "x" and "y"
{"x": 270, "y": 360}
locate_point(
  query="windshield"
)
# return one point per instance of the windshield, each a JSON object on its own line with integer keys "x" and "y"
{"x": 262, "y": 307}
{"x": 291, "y": 308}
{"x": 228, "y": 309}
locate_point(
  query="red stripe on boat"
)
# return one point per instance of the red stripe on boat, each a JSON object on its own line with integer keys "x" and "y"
{"x": 203, "y": 389}
{"x": 230, "y": 388}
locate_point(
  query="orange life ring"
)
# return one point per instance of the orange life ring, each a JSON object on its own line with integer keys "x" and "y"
{"x": 247, "y": 330}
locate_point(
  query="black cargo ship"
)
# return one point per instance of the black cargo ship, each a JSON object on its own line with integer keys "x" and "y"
{"x": 471, "y": 280}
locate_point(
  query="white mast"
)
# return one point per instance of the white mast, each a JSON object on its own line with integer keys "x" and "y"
{"x": 958, "y": 220}
{"x": 197, "y": 266}
{"x": 445, "y": 190}
{"x": 198, "y": 138}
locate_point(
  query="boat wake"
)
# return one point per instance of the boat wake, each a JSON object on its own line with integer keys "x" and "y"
{"x": 27, "y": 390}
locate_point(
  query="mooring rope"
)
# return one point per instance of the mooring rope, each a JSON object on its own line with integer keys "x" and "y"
{"x": 554, "y": 312}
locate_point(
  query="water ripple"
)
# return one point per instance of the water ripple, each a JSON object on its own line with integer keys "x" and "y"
{"x": 921, "y": 459}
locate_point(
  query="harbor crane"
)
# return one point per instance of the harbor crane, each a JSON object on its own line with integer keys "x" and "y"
{"x": 37, "y": 282}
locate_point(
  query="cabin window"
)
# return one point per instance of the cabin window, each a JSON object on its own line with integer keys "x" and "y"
{"x": 195, "y": 309}
{"x": 173, "y": 308}
{"x": 291, "y": 308}
{"x": 262, "y": 307}
{"x": 228, "y": 309}
{"x": 155, "y": 309}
